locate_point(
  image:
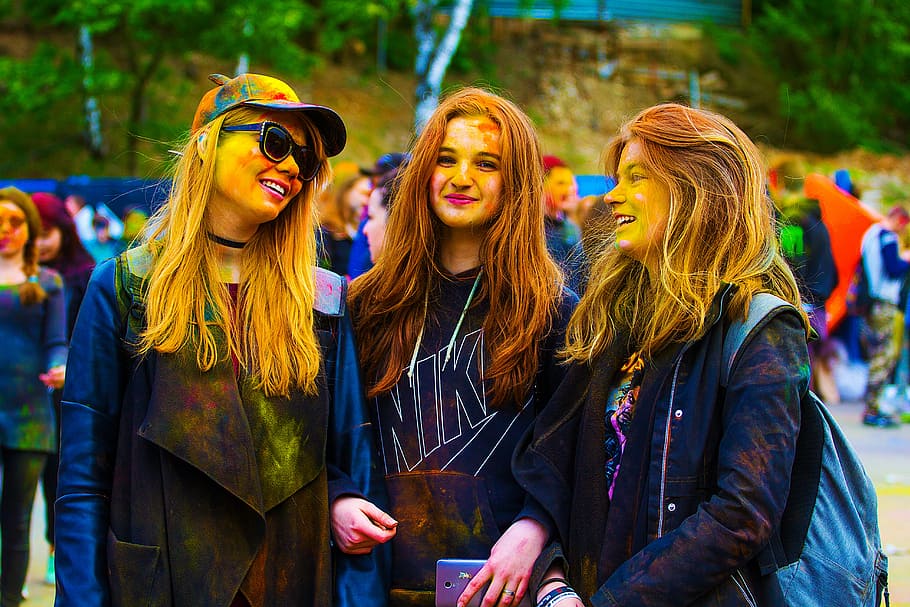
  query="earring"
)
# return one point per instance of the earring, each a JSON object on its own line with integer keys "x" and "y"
{"x": 200, "y": 143}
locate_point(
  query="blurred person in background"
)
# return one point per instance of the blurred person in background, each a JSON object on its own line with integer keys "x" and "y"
{"x": 886, "y": 265}
{"x": 32, "y": 362}
{"x": 340, "y": 210}
{"x": 84, "y": 215}
{"x": 134, "y": 221}
{"x": 359, "y": 261}
{"x": 104, "y": 245}
{"x": 563, "y": 235}
{"x": 806, "y": 245}
{"x": 60, "y": 249}
{"x": 378, "y": 208}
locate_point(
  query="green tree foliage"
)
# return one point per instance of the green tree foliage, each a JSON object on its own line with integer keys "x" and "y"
{"x": 138, "y": 45}
{"x": 839, "y": 69}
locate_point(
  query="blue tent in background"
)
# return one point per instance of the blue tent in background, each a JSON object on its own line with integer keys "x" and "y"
{"x": 593, "y": 185}
{"x": 118, "y": 193}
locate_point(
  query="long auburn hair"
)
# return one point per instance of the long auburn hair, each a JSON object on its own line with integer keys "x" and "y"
{"x": 522, "y": 285}
{"x": 721, "y": 229}
{"x": 187, "y": 305}
{"x": 30, "y": 292}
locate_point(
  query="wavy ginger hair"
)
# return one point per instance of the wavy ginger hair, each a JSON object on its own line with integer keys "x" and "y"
{"x": 721, "y": 229}
{"x": 520, "y": 282}
{"x": 188, "y": 305}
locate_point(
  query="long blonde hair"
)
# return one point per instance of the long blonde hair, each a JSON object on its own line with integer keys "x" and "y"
{"x": 521, "y": 283}
{"x": 187, "y": 305}
{"x": 721, "y": 229}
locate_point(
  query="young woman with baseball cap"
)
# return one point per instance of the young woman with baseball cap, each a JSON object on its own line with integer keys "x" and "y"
{"x": 194, "y": 422}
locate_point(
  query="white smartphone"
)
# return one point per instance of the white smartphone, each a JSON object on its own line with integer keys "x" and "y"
{"x": 453, "y": 575}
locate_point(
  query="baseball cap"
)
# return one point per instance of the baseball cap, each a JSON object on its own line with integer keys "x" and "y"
{"x": 387, "y": 162}
{"x": 256, "y": 90}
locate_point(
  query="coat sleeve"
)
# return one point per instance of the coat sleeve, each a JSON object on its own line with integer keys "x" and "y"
{"x": 54, "y": 329}
{"x": 759, "y": 428}
{"x": 89, "y": 419}
{"x": 360, "y": 580}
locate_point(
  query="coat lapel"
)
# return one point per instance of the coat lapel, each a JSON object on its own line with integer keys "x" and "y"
{"x": 198, "y": 417}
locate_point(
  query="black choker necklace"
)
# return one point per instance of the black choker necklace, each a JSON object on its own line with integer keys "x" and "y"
{"x": 234, "y": 244}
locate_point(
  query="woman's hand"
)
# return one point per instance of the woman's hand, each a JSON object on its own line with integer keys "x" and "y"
{"x": 358, "y": 525}
{"x": 509, "y": 567}
{"x": 54, "y": 377}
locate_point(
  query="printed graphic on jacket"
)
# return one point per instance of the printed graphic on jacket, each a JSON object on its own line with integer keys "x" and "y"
{"x": 440, "y": 418}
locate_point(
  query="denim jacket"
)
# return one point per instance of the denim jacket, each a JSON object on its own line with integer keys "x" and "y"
{"x": 718, "y": 467}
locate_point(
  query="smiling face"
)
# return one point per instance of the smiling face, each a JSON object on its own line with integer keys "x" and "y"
{"x": 466, "y": 184}
{"x": 641, "y": 207}
{"x": 13, "y": 230}
{"x": 250, "y": 189}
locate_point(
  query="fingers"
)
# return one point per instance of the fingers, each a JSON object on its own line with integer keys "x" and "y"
{"x": 475, "y": 585}
{"x": 377, "y": 516}
{"x": 354, "y": 527}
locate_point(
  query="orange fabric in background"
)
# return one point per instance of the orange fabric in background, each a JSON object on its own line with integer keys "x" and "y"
{"x": 847, "y": 219}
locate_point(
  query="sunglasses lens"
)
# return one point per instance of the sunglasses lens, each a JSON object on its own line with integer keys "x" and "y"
{"x": 307, "y": 163}
{"x": 276, "y": 143}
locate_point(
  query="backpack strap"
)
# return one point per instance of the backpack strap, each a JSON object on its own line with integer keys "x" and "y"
{"x": 787, "y": 542}
{"x": 762, "y": 304}
{"x": 133, "y": 265}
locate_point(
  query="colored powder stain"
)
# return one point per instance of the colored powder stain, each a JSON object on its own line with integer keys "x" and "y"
{"x": 488, "y": 126}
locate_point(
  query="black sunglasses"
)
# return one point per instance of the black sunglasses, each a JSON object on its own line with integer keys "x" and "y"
{"x": 276, "y": 144}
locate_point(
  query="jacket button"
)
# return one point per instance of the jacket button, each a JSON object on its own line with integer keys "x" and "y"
{"x": 677, "y": 414}
{"x": 671, "y": 507}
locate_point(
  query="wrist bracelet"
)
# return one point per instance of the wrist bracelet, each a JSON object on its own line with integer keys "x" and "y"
{"x": 550, "y": 580}
{"x": 556, "y": 595}
{"x": 568, "y": 595}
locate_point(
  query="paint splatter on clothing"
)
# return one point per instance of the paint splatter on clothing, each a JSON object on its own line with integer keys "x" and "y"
{"x": 34, "y": 340}
{"x": 620, "y": 409}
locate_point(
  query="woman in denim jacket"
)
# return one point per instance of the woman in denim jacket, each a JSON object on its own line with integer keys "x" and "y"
{"x": 664, "y": 486}
{"x": 194, "y": 425}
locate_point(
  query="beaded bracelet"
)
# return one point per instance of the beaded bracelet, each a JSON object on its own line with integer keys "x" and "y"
{"x": 556, "y": 595}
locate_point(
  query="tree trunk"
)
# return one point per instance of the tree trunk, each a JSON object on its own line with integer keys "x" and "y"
{"x": 92, "y": 115}
{"x": 433, "y": 59}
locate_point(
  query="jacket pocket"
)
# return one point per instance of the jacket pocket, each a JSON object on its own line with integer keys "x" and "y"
{"x": 135, "y": 574}
{"x": 440, "y": 515}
